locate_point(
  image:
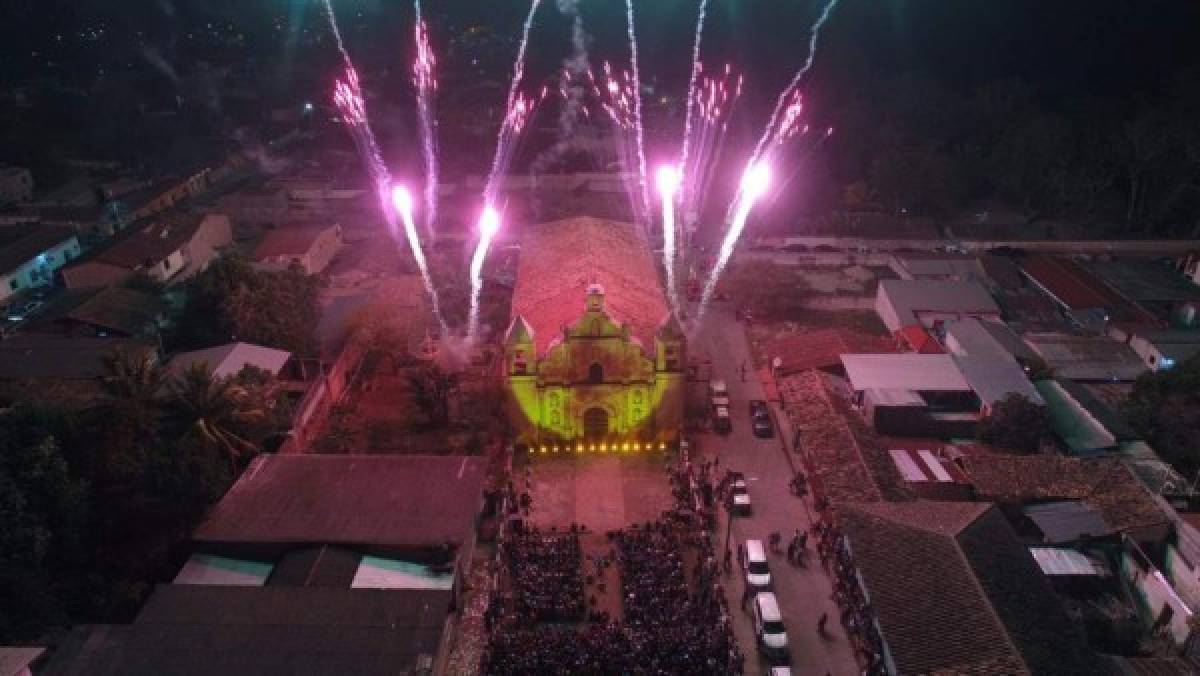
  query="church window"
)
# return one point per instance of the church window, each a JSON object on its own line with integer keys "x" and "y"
{"x": 595, "y": 373}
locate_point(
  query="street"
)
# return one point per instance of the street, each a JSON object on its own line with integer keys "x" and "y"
{"x": 804, "y": 593}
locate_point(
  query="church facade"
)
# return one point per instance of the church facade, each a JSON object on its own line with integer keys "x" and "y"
{"x": 597, "y": 384}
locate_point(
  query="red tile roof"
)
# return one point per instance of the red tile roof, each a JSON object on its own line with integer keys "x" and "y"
{"x": 560, "y": 259}
{"x": 289, "y": 240}
{"x": 919, "y": 340}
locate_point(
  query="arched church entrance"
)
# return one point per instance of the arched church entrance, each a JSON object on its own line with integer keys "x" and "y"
{"x": 595, "y": 423}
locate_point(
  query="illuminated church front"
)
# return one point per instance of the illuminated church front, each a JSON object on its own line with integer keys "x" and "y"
{"x": 595, "y": 385}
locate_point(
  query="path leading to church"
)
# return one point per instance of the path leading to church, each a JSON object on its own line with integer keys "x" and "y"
{"x": 803, "y": 593}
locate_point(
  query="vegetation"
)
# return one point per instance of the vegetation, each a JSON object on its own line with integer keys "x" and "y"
{"x": 1015, "y": 424}
{"x": 1164, "y": 407}
{"x": 768, "y": 291}
{"x": 92, "y": 502}
{"x": 231, "y": 301}
{"x": 431, "y": 388}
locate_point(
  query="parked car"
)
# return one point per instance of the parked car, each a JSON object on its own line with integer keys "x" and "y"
{"x": 19, "y": 312}
{"x": 717, "y": 388}
{"x": 758, "y": 572}
{"x": 739, "y": 497}
{"x": 760, "y": 419}
{"x": 769, "y": 629}
{"x": 778, "y": 671}
{"x": 721, "y": 421}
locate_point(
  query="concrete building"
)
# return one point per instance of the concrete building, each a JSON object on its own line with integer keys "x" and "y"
{"x": 16, "y": 184}
{"x": 168, "y": 249}
{"x": 901, "y": 303}
{"x": 311, "y": 247}
{"x": 592, "y": 354}
{"x": 31, "y": 255}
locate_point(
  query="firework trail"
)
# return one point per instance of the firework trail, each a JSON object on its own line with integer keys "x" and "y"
{"x": 691, "y": 92}
{"x": 347, "y": 96}
{"x": 637, "y": 109}
{"x": 517, "y": 111}
{"x": 714, "y": 100}
{"x": 755, "y": 181}
{"x": 514, "y": 117}
{"x": 426, "y": 86}
{"x": 667, "y": 179}
{"x": 402, "y": 201}
{"x": 780, "y": 104}
{"x": 615, "y": 94}
{"x": 337, "y": 34}
{"x": 489, "y": 223}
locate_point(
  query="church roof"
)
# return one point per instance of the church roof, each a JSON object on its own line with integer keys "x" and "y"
{"x": 561, "y": 259}
{"x": 518, "y": 331}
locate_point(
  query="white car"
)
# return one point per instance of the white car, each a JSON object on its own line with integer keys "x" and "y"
{"x": 758, "y": 573}
{"x": 768, "y": 627}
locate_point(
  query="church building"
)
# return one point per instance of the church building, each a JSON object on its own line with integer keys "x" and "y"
{"x": 593, "y": 358}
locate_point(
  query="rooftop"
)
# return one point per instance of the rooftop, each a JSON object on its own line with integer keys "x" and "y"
{"x": 908, "y": 298}
{"x": 229, "y": 359}
{"x": 149, "y": 244}
{"x": 1075, "y": 288}
{"x": 920, "y": 372}
{"x": 977, "y": 338}
{"x": 994, "y": 611}
{"x": 290, "y": 240}
{"x": 389, "y": 501}
{"x": 994, "y": 378}
{"x": 1086, "y": 357}
{"x": 560, "y": 259}
{"x": 114, "y": 308}
{"x": 195, "y": 630}
{"x": 1145, "y": 280}
{"x": 1103, "y": 483}
{"x": 34, "y": 357}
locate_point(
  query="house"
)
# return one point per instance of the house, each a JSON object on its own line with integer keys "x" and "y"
{"x": 336, "y": 564}
{"x": 16, "y": 184}
{"x": 1160, "y": 350}
{"x": 1106, "y": 485}
{"x": 31, "y": 254}
{"x": 901, "y": 303}
{"x": 64, "y": 369}
{"x": 1087, "y": 300}
{"x": 168, "y": 250}
{"x": 228, "y": 360}
{"x": 1085, "y": 358}
{"x": 311, "y": 247}
{"x": 113, "y": 311}
{"x": 937, "y": 266}
{"x": 1154, "y": 286}
{"x": 936, "y": 395}
{"x": 1084, "y": 423}
{"x": 952, "y": 589}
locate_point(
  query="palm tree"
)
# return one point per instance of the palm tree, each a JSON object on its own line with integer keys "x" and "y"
{"x": 132, "y": 385}
{"x": 216, "y": 410}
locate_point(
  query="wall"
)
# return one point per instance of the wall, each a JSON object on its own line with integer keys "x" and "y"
{"x": 1152, "y": 593}
{"x": 1184, "y": 575}
{"x": 40, "y": 270}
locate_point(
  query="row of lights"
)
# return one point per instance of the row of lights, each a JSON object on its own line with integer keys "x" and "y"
{"x": 603, "y": 447}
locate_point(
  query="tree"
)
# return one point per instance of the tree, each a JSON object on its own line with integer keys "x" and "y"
{"x": 230, "y": 301}
{"x": 771, "y": 291}
{"x": 431, "y": 387}
{"x": 1164, "y": 407}
{"x": 212, "y": 410}
{"x": 1015, "y": 424}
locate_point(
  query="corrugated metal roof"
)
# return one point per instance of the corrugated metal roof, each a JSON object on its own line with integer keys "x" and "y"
{"x": 1067, "y": 521}
{"x": 229, "y": 359}
{"x": 928, "y": 372}
{"x": 994, "y": 378}
{"x": 1059, "y": 561}
{"x": 223, "y": 570}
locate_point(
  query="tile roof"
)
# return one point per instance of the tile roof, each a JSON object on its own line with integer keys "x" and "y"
{"x": 290, "y": 240}
{"x": 113, "y": 308}
{"x": 1104, "y": 483}
{"x": 955, "y": 591}
{"x": 149, "y": 244}
{"x": 35, "y": 357}
{"x": 390, "y": 501}
{"x": 20, "y": 244}
{"x": 560, "y": 259}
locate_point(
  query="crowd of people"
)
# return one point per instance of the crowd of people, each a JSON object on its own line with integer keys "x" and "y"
{"x": 674, "y": 623}
{"x": 545, "y": 571}
{"x": 855, "y": 612}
